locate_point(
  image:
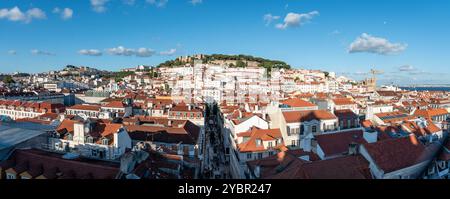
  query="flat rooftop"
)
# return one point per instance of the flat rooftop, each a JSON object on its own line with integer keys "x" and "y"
{"x": 10, "y": 136}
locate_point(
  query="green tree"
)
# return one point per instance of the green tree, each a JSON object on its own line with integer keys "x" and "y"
{"x": 8, "y": 80}
{"x": 240, "y": 64}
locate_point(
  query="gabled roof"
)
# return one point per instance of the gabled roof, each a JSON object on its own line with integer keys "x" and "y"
{"x": 418, "y": 130}
{"x": 387, "y": 93}
{"x": 338, "y": 143}
{"x": 347, "y": 167}
{"x": 395, "y": 154}
{"x": 85, "y": 107}
{"x": 430, "y": 112}
{"x": 98, "y": 129}
{"x": 115, "y": 104}
{"x": 188, "y": 133}
{"x": 301, "y": 116}
{"x": 277, "y": 163}
{"x": 296, "y": 102}
{"x": 52, "y": 166}
{"x": 343, "y": 101}
{"x": 254, "y": 134}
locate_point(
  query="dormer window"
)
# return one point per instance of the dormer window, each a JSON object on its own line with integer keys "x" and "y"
{"x": 258, "y": 142}
{"x": 90, "y": 140}
{"x": 105, "y": 141}
{"x": 69, "y": 136}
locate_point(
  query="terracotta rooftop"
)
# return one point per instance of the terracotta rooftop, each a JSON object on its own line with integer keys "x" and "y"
{"x": 338, "y": 143}
{"x": 347, "y": 167}
{"x": 296, "y": 102}
{"x": 395, "y": 154}
{"x": 301, "y": 116}
{"x": 188, "y": 133}
{"x": 254, "y": 134}
{"x": 41, "y": 164}
{"x": 431, "y": 112}
{"x": 343, "y": 101}
{"x": 85, "y": 107}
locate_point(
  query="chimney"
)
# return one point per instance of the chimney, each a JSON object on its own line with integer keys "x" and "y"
{"x": 370, "y": 136}
{"x": 189, "y": 107}
{"x": 62, "y": 117}
{"x": 169, "y": 123}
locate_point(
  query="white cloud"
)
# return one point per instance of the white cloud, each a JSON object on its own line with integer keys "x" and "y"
{"x": 90, "y": 52}
{"x": 407, "y": 68}
{"x": 122, "y": 51}
{"x": 145, "y": 52}
{"x": 158, "y": 3}
{"x": 129, "y": 2}
{"x": 195, "y": 2}
{"x": 56, "y": 10}
{"x": 169, "y": 52}
{"x": 99, "y": 5}
{"x": 296, "y": 20}
{"x": 335, "y": 32}
{"x": 65, "y": 13}
{"x": 268, "y": 18}
{"x": 12, "y": 52}
{"x": 41, "y": 52}
{"x": 15, "y": 14}
{"x": 377, "y": 45}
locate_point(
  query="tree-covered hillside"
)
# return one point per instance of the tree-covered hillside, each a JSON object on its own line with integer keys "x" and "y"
{"x": 240, "y": 61}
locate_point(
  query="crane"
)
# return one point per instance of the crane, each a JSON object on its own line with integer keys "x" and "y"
{"x": 375, "y": 72}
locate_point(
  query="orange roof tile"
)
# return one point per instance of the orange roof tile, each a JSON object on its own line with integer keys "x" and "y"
{"x": 301, "y": 116}
{"x": 296, "y": 102}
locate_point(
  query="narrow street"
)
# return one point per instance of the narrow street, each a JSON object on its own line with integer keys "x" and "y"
{"x": 215, "y": 166}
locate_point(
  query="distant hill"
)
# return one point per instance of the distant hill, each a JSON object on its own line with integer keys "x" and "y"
{"x": 230, "y": 60}
{"x": 71, "y": 70}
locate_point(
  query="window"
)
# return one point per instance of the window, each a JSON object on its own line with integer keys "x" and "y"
{"x": 105, "y": 141}
{"x": 94, "y": 152}
{"x": 302, "y": 129}
{"x": 260, "y": 155}
{"x": 10, "y": 176}
{"x": 270, "y": 153}
{"x": 249, "y": 156}
{"x": 314, "y": 129}
{"x": 90, "y": 140}
{"x": 270, "y": 144}
{"x": 258, "y": 142}
{"x": 293, "y": 142}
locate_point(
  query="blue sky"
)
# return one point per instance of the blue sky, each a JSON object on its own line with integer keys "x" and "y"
{"x": 407, "y": 39}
